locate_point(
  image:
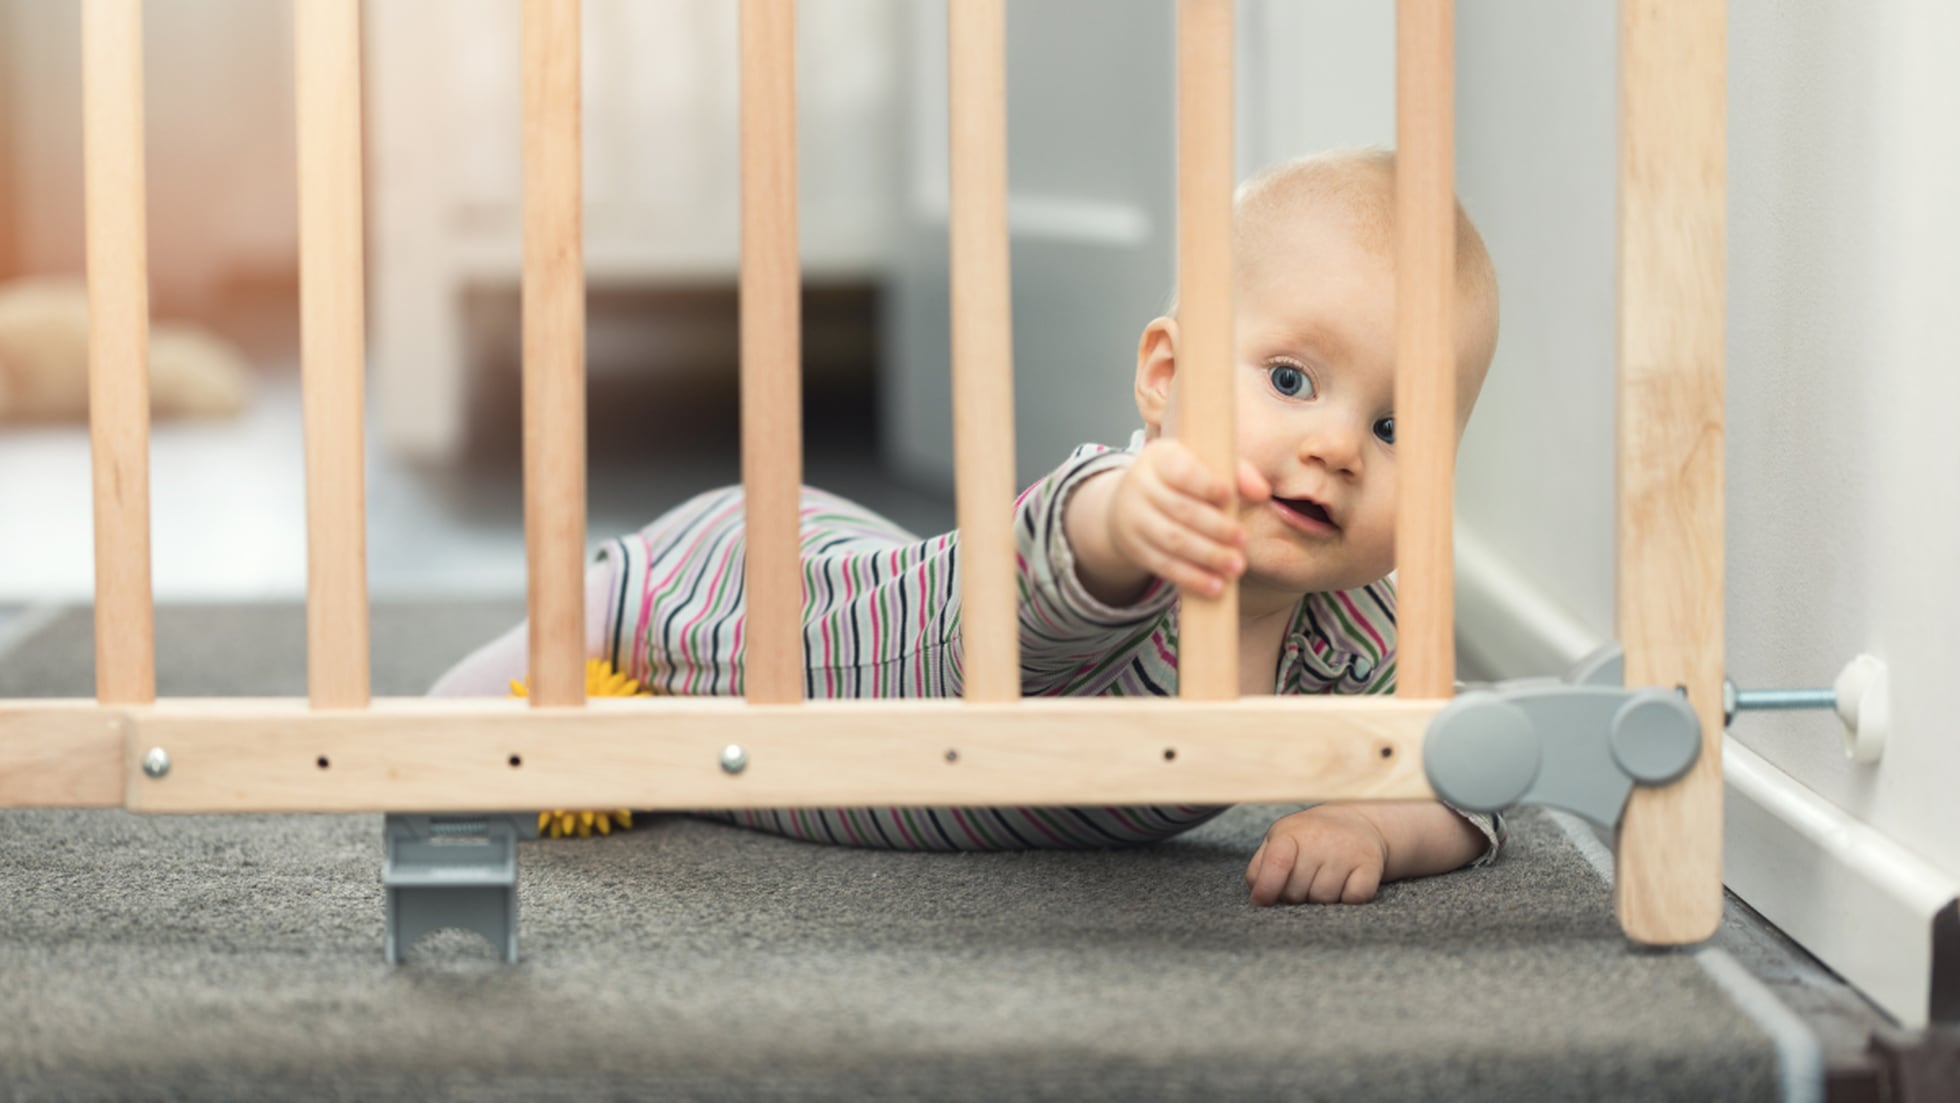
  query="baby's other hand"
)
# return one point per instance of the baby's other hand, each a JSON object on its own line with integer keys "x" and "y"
{"x": 1171, "y": 516}
{"x": 1325, "y": 855}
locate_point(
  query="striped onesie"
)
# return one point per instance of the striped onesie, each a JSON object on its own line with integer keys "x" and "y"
{"x": 882, "y": 619}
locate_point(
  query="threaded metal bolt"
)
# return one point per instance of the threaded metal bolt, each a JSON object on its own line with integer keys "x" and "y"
{"x": 1736, "y": 700}
{"x": 157, "y": 762}
{"x": 734, "y": 759}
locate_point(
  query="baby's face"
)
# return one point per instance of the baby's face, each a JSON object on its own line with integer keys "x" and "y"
{"x": 1315, "y": 373}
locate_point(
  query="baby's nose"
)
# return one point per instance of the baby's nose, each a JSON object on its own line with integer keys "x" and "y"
{"x": 1334, "y": 444}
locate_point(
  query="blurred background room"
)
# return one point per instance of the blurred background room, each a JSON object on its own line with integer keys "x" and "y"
{"x": 1093, "y": 222}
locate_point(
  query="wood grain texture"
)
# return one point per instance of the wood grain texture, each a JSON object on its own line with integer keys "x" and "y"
{"x": 772, "y": 356}
{"x": 428, "y": 754}
{"x": 118, "y": 348}
{"x": 327, "y": 65}
{"x": 983, "y": 350}
{"x": 61, "y": 754}
{"x": 1208, "y": 628}
{"x": 1425, "y": 346}
{"x": 554, "y": 353}
{"x": 1668, "y": 890}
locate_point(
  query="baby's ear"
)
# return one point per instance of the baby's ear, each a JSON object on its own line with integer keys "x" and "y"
{"x": 1156, "y": 370}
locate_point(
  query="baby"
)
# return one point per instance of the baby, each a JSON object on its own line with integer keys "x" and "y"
{"x": 1105, "y": 541}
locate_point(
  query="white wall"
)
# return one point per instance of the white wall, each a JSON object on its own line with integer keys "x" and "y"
{"x": 1845, "y": 492}
{"x": 1536, "y": 169}
{"x": 1843, "y": 463}
{"x": 1842, "y": 529}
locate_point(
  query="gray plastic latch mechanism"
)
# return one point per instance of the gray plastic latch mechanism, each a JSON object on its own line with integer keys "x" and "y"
{"x": 1580, "y": 747}
{"x": 452, "y": 871}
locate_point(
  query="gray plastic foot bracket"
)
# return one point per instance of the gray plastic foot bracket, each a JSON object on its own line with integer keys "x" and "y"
{"x": 453, "y": 870}
{"x": 1581, "y": 742}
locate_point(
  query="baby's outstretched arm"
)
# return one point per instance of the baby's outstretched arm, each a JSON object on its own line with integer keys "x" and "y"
{"x": 1164, "y": 516}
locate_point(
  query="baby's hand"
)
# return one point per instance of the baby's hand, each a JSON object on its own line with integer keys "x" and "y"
{"x": 1172, "y": 517}
{"x": 1326, "y": 855}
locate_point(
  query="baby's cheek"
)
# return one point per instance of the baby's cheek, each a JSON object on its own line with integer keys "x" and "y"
{"x": 1373, "y": 546}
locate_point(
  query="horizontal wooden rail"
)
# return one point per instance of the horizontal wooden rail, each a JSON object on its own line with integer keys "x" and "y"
{"x": 430, "y": 754}
{"x": 62, "y": 754}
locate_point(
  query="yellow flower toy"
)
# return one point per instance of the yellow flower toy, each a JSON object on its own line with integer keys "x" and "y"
{"x": 600, "y": 681}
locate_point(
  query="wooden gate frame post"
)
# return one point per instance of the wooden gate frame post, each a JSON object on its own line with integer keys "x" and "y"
{"x": 1673, "y": 131}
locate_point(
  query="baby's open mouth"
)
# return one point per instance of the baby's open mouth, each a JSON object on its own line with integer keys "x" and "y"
{"x": 1307, "y": 507}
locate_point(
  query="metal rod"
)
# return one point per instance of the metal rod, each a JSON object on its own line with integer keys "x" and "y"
{"x": 1736, "y": 700}
{"x": 1786, "y": 699}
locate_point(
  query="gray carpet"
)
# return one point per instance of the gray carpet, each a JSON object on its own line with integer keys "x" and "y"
{"x": 240, "y": 957}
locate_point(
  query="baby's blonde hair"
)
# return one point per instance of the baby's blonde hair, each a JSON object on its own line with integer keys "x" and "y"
{"x": 1360, "y": 181}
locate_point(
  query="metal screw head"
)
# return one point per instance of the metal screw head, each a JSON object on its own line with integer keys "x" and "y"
{"x": 734, "y": 759}
{"x": 156, "y": 763}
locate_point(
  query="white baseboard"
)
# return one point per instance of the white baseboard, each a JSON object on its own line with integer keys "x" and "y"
{"x": 1874, "y": 913}
{"x": 1507, "y": 627}
{"x": 1859, "y": 902}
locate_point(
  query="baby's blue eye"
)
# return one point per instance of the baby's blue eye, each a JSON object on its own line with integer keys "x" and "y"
{"x": 1385, "y": 429}
{"x": 1289, "y": 380}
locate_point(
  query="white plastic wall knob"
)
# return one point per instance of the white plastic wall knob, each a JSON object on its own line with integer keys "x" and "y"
{"x": 1864, "y": 703}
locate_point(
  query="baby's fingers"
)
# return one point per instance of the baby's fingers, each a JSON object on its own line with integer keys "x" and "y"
{"x": 1362, "y": 884}
{"x": 1201, "y": 517}
{"x": 1185, "y": 473}
{"x": 1185, "y": 559}
{"x": 1271, "y": 869}
{"x": 1329, "y": 882}
{"x": 1253, "y": 486}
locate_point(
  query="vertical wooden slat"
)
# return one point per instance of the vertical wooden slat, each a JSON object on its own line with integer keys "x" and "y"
{"x": 327, "y": 64}
{"x": 118, "y": 349}
{"x": 772, "y": 402}
{"x": 1425, "y": 352}
{"x": 1208, "y": 628}
{"x": 983, "y": 348}
{"x": 554, "y": 353}
{"x": 1671, "y": 238}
